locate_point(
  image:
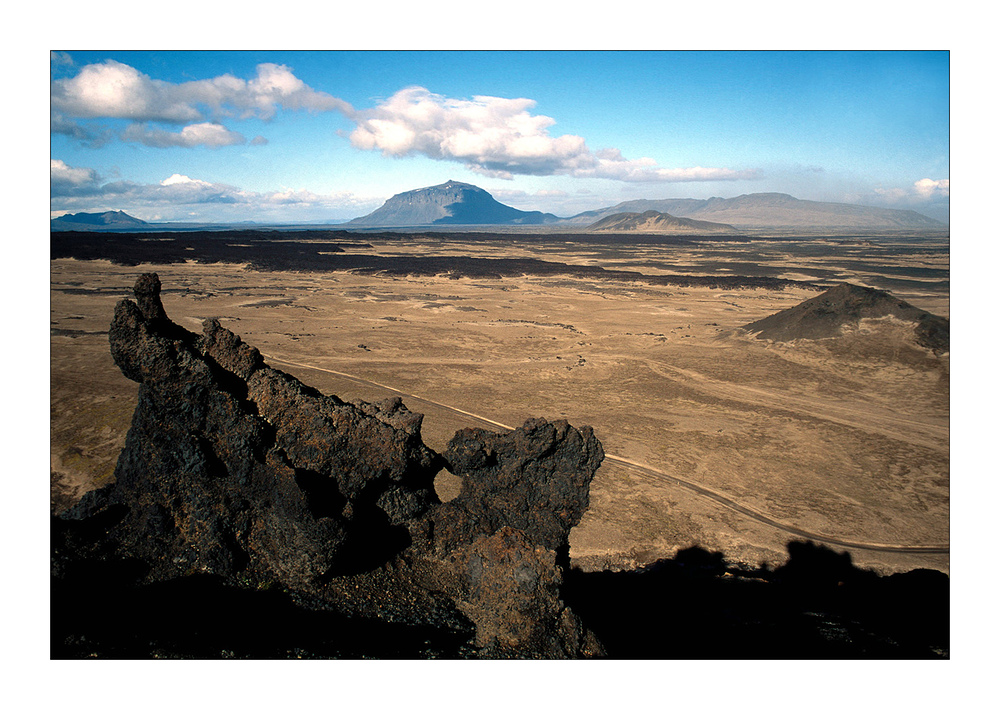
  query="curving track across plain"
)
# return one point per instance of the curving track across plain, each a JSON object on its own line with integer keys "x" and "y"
{"x": 651, "y": 474}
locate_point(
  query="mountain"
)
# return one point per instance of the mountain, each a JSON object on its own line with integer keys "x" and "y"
{"x": 846, "y": 304}
{"x": 653, "y": 221}
{"x": 771, "y": 209}
{"x": 86, "y": 221}
{"x": 459, "y": 203}
{"x": 449, "y": 203}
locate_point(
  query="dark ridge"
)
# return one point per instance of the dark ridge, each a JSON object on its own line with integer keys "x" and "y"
{"x": 651, "y": 220}
{"x": 88, "y": 220}
{"x": 264, "y": 254}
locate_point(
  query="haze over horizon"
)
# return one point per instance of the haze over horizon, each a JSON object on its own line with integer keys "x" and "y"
{"x": 310, "y": 136}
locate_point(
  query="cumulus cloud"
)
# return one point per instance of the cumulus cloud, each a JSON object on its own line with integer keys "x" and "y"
{"x": 113, "y": 90}
{"x": 180, "y": 196}
{"x": 66, "y": 180}
{"x": 489, "y": 135}
{"x": 90, "y": 136}
{"x": 499, "y": 137}
{"x": 211, "y": 135}
{"x": 928, "y": 196}
{"x": 929, "y": 189}
{"x": 922, "y": 191}
{"x": 181, "y": 189}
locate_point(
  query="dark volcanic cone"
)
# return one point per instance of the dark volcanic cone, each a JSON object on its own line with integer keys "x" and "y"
{"x": 653, "y": 221}
{"x": 847, "y": 304}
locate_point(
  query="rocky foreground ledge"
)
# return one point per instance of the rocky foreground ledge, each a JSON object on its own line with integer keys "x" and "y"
{"x": 236, "y": 472}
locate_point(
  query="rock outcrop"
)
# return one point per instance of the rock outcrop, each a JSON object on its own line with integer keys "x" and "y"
{"x": 238, "y": 471}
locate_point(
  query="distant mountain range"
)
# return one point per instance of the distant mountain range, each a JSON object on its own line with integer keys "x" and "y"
{"x": 771, "y": 210}
{"x": 658, "y": 222}
{"x": 459, "y": 203}
{"x": 88, "y": 221}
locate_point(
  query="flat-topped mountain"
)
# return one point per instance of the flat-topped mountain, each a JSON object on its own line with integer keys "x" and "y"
{"x": 653, "y": 221}
{"x": 847, "y": 304}
{"x": 771, "y": 209}
{"x": 82, "y": 221}
{"x": 449, "y": 203}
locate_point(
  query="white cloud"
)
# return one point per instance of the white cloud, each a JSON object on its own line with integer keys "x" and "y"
{"x": 115, "y": 90}
{"x": 499, "y": 137}
{"x": 61, "y": 172}
{"x": 211, "y": 135}
{"x": 929, "y": 189}
{"x": 94, "y": 138}
{"x": 66, "y": 180}
{"x": 183, "y": 197}
{"x": 924, "y": 190}
{"x": 178, "y": 179}
{"x": 928, "y": 196}
{"x": 492, "y": 136}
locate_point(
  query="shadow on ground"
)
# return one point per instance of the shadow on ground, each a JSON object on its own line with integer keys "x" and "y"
{"x": 816, "y": 606}
{"x": 694, "y": 606}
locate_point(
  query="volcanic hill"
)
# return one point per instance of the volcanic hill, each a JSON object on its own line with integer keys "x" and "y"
{"x": 825, "y": 315}
{"x": 83, "y": 221}
{"x": 449, "y": 203}
{"x": 658, "y": 222}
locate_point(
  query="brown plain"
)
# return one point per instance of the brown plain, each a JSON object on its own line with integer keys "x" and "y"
{"x": 846, "y": 439}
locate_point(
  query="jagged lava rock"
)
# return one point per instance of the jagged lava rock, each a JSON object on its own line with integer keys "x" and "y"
{"x": 536, "y": 479}
{"x": 243, "y": 468}
{"x": 234, "y": 469}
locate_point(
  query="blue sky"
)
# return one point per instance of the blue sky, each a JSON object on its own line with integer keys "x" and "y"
{"x": 310, "y": 136}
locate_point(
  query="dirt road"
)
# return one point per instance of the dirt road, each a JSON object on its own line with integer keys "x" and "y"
{"x": 903, "y": 427}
